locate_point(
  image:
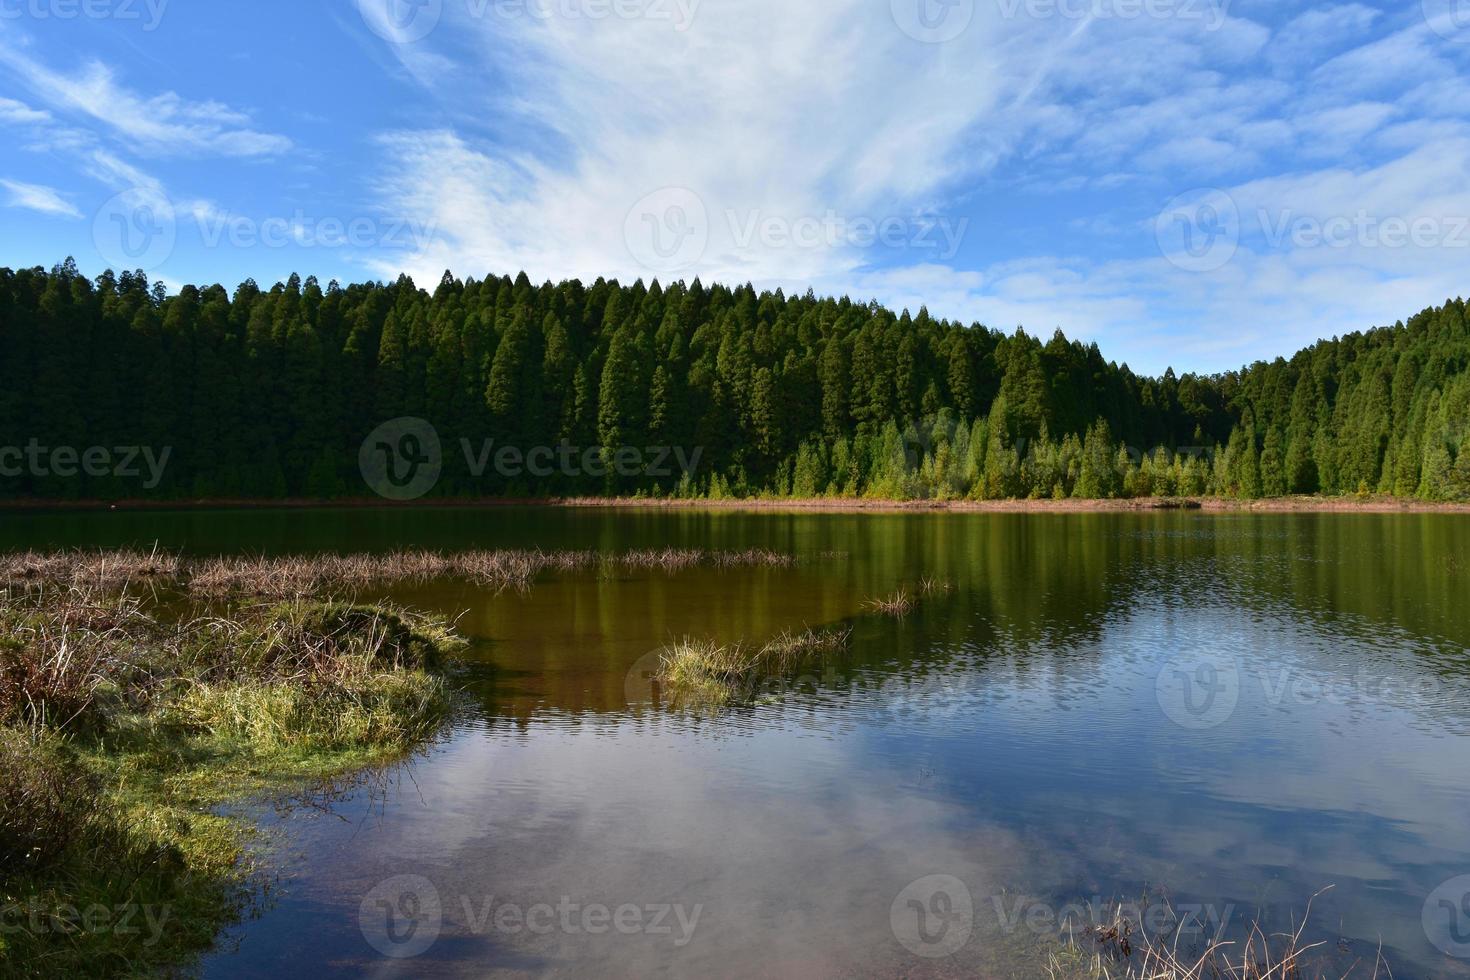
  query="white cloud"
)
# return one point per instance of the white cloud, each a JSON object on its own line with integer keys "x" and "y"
{"x": 1393, "y": 63}
{"x": 36, "y": 197}
{"x": 19, "y": 113}
{"x": 1318, "y": 31}
{"x": 1432, "y": 180}
{"x": 843, "y": 114}
{"x": 161, "y": 125}
{"x": 1322, "y": 253}
{"x": 557, "y": 127}
{"x": 119, "y": 174}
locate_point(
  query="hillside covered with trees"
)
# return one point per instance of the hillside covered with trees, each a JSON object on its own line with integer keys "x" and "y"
{"x": 270, "y": 394}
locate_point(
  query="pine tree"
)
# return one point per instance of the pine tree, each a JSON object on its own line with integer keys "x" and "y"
{"x": 505, "y": 394}
{"x": 268, "y": 393}
{"x": 835, "y": 382}
{"x": 1099, "y": 477}
{"x": 1273, "y": 465}
{"x": 622, "y": 401}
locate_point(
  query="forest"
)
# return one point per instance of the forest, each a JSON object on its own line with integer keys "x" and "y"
{"x": 270, "y": 394}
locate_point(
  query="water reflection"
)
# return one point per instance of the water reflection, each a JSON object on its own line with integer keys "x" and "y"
{"x": 1233, "y": 711}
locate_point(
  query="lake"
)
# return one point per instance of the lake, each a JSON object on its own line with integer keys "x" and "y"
{"x": 1210, "y": 718}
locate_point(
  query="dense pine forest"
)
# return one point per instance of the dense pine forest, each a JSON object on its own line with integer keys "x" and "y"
{"x": 271, "y": 393}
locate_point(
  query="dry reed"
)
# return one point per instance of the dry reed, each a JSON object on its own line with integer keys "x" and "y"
{"x": 302, "y": 576}
{"x": 1122, "y": 951}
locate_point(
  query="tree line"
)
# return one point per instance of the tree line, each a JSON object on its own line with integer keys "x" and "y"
{"x": 265, "y": 394}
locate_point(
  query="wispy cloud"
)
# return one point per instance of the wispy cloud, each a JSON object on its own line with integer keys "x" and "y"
{"x": 846, "y": 115}
{"x": 19, "y": 113}
{"x": 164, "y": 124}
{"x": 119, "y": 174}
{"x": 1012, "y": 174}
{"x": 36, "y": 197}
{"x": 1318, "y": 253}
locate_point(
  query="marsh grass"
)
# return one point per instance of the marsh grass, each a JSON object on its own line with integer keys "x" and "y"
{"x": 707, "y": 674}
{"x": 42, "y": 806}
{"x": 900, "y": 603}
{"x": 1121, "y": 950}
{"x": 141, "y": 692}
{"x": 307, "y": 576}
{"x": 125, "y": 725}
{"x": 89, "y": 841}
{"x": 684, "y": 559}
{"x": 89, "y": 569}
{"x": 389, "y": 710}
{"x": 897, "y": 604}
{"x": 790, "y": 649}
{"x": 929, "y": 585}
{"x": 61, "y": 649}
{"x": 296, "y": 577}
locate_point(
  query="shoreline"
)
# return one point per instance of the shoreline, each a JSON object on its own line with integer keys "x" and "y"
{"x": 1218, "y": 505}
{"x": 145, "y": 736}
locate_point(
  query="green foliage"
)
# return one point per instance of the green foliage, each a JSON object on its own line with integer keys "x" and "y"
{"x": 1100, "y": 476}
{"x": 270, "y": 393}
{"x": 1273, "y": 465}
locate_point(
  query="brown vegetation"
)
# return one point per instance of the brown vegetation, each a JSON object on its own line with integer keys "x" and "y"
{"x": 301, "y": 576}
{"x": 897, "y": 605}
{"x": 1121, "y": 950}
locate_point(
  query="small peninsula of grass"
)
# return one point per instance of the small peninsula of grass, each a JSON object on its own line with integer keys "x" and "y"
{"x": 125, "y": 724}
{"x": 706, "y": 674}
{"x": 141, "y": 692}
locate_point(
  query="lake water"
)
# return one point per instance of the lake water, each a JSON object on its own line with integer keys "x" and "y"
{"x": 1210, "y": 717}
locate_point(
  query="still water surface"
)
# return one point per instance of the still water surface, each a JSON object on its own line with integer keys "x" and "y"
{"x": 1229, "y": 713}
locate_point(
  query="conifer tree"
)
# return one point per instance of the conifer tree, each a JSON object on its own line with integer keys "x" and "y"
{"x": 268, "y": 393}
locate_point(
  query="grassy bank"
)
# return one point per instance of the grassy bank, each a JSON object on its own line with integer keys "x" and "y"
{"x": 125, "y": 724}
{"x": 143, "y": 691}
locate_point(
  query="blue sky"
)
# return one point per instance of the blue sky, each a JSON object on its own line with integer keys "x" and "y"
{"x": 1190, "y": 183}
